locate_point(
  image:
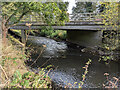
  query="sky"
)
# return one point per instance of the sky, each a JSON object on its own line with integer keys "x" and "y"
{"x": 71, "y": 4}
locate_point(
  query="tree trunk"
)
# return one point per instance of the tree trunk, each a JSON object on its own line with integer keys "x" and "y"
{"x": 5, "y": 31}
{"x": 5, "y": 35}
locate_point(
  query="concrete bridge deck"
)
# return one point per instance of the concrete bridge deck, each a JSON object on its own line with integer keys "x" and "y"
{"x": 70, "y": 27}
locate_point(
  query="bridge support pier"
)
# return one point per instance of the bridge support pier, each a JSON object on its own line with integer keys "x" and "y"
{"x": 86, "y": 38}
{"x": 23, "y": 36}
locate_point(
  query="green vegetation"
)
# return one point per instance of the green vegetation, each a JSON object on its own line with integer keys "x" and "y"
{"x": 17, "y": 32}
{"x": 111, "y": 35}
{"x": 85, "y": 73}
{"x": 84, "y": 7}
{"x": 14, "y": 12}
{"x": 50, "y": 33}
{"x": 55, "y": 34}
{"x": 31, "y": 80}
{"x": 15, "y": 74}
{"x": 81, "y": 83}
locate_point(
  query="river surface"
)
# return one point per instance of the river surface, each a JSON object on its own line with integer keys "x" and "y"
{"x": 68, "y": 60}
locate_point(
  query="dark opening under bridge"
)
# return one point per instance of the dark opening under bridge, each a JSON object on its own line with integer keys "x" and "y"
{"x": 83, "y": 29}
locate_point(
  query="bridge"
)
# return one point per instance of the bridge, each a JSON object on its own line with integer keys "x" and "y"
{"x": 81, "y": 21}
{"x": 83, "y": 28}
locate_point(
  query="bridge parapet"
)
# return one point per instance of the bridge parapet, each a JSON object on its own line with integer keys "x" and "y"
{"x": 83, "y": 16}
{"x": 77, "y": 17}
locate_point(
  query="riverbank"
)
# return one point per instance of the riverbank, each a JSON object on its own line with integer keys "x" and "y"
{"x": 14, "y": 72}
{"x": 12, "y": 60}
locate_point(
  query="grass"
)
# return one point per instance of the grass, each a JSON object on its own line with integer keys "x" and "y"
{"x": 12, "y": 60}
{"x": 16, "y": 74}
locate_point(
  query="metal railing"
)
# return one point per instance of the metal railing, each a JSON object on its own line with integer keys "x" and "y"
{"x": 72, "y": 17}
{"x": 83, "y": 17}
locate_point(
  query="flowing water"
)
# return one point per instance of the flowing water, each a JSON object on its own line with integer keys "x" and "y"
{"x": 68, "y": 60}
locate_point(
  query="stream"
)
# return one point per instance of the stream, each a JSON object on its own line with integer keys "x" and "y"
{"x": 68, "y": 61}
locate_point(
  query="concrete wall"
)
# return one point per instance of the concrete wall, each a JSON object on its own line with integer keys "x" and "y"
{"x": 85, "y": 38}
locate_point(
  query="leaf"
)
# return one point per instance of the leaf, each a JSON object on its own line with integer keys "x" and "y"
{"x": 14, "y": 58}
{"x": 84, "y": 67}
{"x": 14, "y": 62}
{"x": 15, "y": 81}
{"x": 75, "y": 82}
{"x": 26, "y": 83}
{"x": 18, "y": 75}
{"x": 9, "y": 58}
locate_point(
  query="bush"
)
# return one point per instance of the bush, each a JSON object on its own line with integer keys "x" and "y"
{"x": 31, "y": 80}
{"x": 57, "y": 34}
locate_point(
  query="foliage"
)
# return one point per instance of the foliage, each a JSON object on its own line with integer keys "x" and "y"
{"x": 111, "y": 35}
{"x": 82, "y": 7}
{"x": 85, "y": 73}
{"x": 16, "y": 75}
{"x": 14, "y": 12}
{"x": 56, "y": 34}
{"x": 63, "y": 7}
{"x": 17, "y": 32}
{"x": 13, "y": 60}
{"x": 31, "y": 80}
{"x": 101, "y": 7}
{"x": 53, "y": 14}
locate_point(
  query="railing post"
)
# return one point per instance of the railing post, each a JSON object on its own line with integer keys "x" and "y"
{"x": 89, "y": 17}
{"x": 23, "y": 36}
{"x": 30, "y": 18}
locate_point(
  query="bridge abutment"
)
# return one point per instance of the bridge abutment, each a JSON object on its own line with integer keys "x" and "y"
{"x": 86, "y": 38}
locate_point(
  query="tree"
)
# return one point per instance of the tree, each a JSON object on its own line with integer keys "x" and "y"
{"x": 63, "y": 7}
{"x": 101, "y": 7}
{"x": 13, "y": 12}
{"x": 82, "y": 7}
{"x": 110, "y": 16}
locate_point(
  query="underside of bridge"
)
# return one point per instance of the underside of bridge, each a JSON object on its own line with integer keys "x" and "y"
{"x": 86, "y": 38}
{"x": 92, "y": 39}
{"x": 89, "y": 35}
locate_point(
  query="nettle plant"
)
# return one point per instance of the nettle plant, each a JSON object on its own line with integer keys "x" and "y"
{"x": 111, "y": 35}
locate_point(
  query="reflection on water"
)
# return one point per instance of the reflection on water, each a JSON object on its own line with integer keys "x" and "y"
{"x": 68, "y": 66}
